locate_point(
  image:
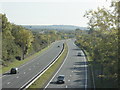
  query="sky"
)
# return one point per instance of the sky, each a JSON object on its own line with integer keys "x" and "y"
{"x": 49, "y": 12}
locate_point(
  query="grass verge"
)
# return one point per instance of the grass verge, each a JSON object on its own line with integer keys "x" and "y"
{"x": 17, "y": 63}
{"x": 40, "y": 82}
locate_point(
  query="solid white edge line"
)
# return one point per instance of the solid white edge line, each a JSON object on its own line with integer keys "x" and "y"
{"x": 93, "y": 78}
{"x": 42, "y": 72}
{"x": 58, "y": 70}
{"x": 85, "y": 74}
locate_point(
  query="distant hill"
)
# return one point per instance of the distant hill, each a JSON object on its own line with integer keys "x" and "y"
{"x": 53, "y": 27}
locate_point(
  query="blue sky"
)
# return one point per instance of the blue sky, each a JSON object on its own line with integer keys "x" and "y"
{"x": 49, "y": 12}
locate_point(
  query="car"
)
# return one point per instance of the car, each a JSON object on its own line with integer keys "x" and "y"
{"x": 58, "y": 46}
{"x": 79, "y": 54}
{"x": 60, "y": 79}
{"x": 14, "y": 70}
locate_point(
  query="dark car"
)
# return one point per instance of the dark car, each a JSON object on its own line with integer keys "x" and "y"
{"x": 60, "y": 79}
{"x": 14, "y": 70}
{"x": 58, "y": 46}
{"x": 79, "y": 54}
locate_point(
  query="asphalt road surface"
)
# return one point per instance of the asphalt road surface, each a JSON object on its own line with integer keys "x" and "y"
{"x": 74, "y": 68}
{"x": 30, "y": 69}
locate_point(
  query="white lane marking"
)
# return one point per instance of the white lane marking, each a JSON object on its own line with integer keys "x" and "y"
{"x": 57, "y": 71}
{"x": 85, "y": 70}
{"x": 17, "y": 77}
{"x": 44, "y": 52}
{"x": 93, "y": 78}
{"x": 72, "y": 71}
{"x": 68, "y": 80}
{"x": 66, "y": 86}
{"x": 85, "y": 66}
{"x": 70, "y": 75}
{"x": 24, "y": 72}
{"x": 29, "y": 68}
{"x": 2, "y": 76}
{"x": 8, "y": 83}
{"x": 42, "y": 70}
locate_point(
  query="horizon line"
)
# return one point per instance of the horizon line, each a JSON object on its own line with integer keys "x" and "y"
{"x": 52, "y": 24}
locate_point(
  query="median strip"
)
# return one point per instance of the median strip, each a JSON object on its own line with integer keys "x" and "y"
{"x": 45, "y": 77}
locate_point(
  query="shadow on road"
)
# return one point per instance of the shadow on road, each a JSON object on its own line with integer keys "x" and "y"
{"x": 78, "y": 68}
{"x": 76, "y": 49}
{"x": 77, "y": 80}
{"x": 54, "y": 82}
{"x": 7, "y": 73}
{"x": 79, "y": 73}
{"x": 78, "y": 56}
{"x": 75, "y": 55}
{"x": 79, "y": 63}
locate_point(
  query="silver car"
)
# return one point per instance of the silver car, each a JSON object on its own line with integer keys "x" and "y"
{"x": 79, "y": 54}
{"x": 60, "y": 79}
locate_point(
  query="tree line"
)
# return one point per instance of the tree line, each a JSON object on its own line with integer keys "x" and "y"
{"x": 101, "y": 42}
{"x": 19, "y": 42}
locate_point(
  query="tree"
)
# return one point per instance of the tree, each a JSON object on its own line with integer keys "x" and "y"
{"x": 102, "y": 42}
{"x": 8, "y": 46}
{"x": 24, "y": 39}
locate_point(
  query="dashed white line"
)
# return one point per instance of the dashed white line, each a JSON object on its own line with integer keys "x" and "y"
{"x": 70, "y": 75}
{"x": 29, "y": 68}
{"x": 85, "y": 66}
{"x": 41, "y": 73}
{"x": 24, "y": 72}
{"x": 66, "y": 86}
{"x": 68, "y": 80}
{"x": 58, "y": 70}
{"x": 37, "y": 56}
{"x": 2, "y": 76}
{"x": 17, "y": 77}
{"x": 8, "y": 83}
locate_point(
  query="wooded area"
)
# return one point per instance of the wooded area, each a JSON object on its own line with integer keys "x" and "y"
{"x": 101, "y": 43}
{"x": 19, "y": 42}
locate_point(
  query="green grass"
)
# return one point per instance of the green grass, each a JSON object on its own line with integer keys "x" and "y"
{"x": 40, "y": 82}
{"x": 17, "y": 63}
